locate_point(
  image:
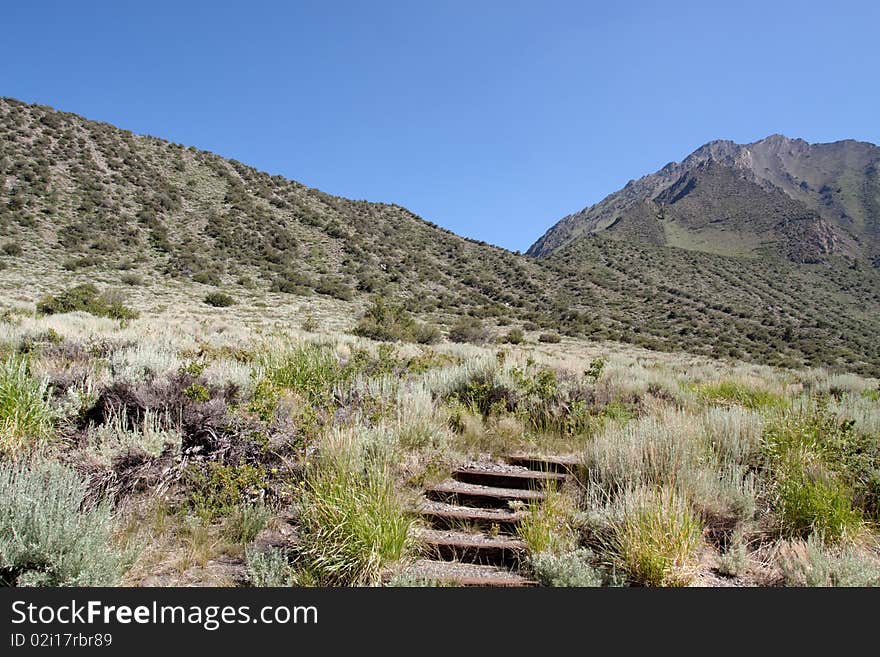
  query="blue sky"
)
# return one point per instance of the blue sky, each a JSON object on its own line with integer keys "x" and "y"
{"x": 493, "y": 119}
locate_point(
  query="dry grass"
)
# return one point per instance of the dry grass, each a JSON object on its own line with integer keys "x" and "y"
{"x": 674, "y": 445}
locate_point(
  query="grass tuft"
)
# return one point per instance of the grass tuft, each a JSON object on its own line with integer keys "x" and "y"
{"x": 26, "y": 418}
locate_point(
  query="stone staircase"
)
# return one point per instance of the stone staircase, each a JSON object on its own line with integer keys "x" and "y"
{"x": 471, "y": 519}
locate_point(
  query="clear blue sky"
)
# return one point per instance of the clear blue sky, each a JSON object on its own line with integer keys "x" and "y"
{"x": 493, "y": 119}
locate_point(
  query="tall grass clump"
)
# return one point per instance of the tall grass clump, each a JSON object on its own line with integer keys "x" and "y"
{"x": 736, "y": 392}
{"x": 26, "y": 419}
{"x": 354, "y": 522}
{"x": 50, "y": 533}
{"x": 546, "y": 527}
{"x": 312, "y": 370}
{"x": 653, "y": 537}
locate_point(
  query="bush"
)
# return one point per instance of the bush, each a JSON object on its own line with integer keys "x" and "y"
{"x": 26, "y": 419}
{"x": 269, "y": 568}
{"x": 218, "y": 489}
{"x": 549, "y": 338}
{"x": 132, "y": 279}
{"x": 219, "y": 300}
{"x": 309, "y": 323}
{"x": 468, "y": 329}
{"x": 50, "y": 533}
{"x": 86, "y": 298}
{"x": 812, "y": 563}
{"x": 514, "y": 336}
{"x": 814, "y": 461}
{"x": 573, "y": 569}
{"x": 391, "y": 322}
{"x": 426, "y": 334}
{"x": 335, "y": 288}
{"x": 12, "y": 249}
{"x": 246, "y": 521}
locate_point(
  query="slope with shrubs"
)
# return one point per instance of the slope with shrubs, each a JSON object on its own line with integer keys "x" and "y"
{"x": 81, "y": 196}
{"x": 232, "y": 454}
{"x": 82, "y": 201}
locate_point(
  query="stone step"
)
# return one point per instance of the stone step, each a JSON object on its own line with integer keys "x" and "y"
{"x": 475, "y": 495}
{"x": 450, "y": 516}
{"x": 513, "y": 478}
{"x": 471, "y": 547}
{"x": 452, "y": 573}
{"x": 567, "y": 464}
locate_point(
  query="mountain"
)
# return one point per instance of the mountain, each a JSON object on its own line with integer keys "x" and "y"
{"x": 84, "y": 196}
{"x": 777, "y": 196}
{"x": 82, "y": 201}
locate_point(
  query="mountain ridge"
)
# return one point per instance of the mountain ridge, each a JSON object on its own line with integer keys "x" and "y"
{"x": 836, "y": 181}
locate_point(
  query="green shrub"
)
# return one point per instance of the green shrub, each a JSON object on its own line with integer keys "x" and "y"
{"x": 50, "y": 533}
{"x": 26, "y": 418}
{"x": 12, "y": 249}
{"x": 334, "y": 287}
{"x": 570, "y": 569}
{"x": 821, "y": 505}
{"x": 597, "y": 367}
{"x": 426, "y": 334}
{"x": 218, "y": 489}
{"x": 264, "y": 401}
{"x": 468, "y": 329}
{"x": 197, "y": 392}
{"x": 514, "y": 336}
{"x": 391, "y": 322}
{"x": 219, "y": 300}
{"x": 132, "y": 279}
{"x": 86, "y": 298}
{"x": 245, "y": 521}
{"x": 816, "y": 463}
{"x": 267, "y": 568}
{"x": 812, "y": 563}
{"x": 549, "y": 338}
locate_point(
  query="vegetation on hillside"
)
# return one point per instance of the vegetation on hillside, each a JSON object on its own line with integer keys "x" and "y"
{"x": 214, "y": 452}
{"x": 82, "y": 202}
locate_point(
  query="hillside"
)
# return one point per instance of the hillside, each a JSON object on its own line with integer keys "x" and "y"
{"x": 87, "y": 196}
{"x": 777, "y": 196}
{"x": 82, "y": 201}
